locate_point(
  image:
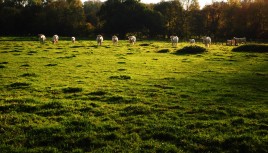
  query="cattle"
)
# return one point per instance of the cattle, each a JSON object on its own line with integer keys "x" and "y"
{"x": 230, "y": 42}
{"x": 73, "y": 39}
{"x": 174, "y": 40}
{"x": 55, "y": 39}
{"x": 207, "y": 41}
{"x": 99, "y": 40}
{"x": 192, "y": 41}
{"x": 115, "y": 40}
{"x": 132, "y": 40}
{"x": 239, "y": 40}
{"x": 42, "y": 38}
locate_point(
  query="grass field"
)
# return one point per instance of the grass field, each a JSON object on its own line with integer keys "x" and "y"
{"x": 142, "y": 98}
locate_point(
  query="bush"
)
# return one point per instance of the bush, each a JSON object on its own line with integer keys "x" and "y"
{"x": 254, "y": 48}
{"x": 191, "y": 50}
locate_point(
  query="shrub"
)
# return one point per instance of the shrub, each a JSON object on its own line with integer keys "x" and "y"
{"x": 254, "y": 48}
{"x": 191, "y": 50}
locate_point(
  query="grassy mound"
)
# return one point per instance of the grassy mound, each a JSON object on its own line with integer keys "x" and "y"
{"x": 254, "y": 48}
{"x": 163, "y": 51}
{"x": 191, "y": 50}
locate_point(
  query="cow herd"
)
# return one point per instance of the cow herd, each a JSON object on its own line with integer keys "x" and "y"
{"x": 132, "y": 40}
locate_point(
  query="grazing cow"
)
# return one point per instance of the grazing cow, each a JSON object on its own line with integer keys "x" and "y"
{"x": 42, "y": 38}
{"x": 73, "y": 39}
{"x": 239, "y": 40}
{"x": 132, "y": 40}
{"x": 99, "y": 40}
{"x": 192, "y": 41}
{"x": 115, "y": 40}
{"x": 174, "y": 40}
{"x": 55, "y": 39}
{"x": 230, "y": 42}
{"x": 207, "y": 41}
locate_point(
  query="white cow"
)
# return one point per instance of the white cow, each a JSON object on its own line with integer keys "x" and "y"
{"x": 192, "y": 41}
{"x": 99, "y": 40}
{"x": 174, "y": 40}
{"x": 132, "y": 39}
{"x": 55, "y": 39}
{"x": 239, "y": 40}
{"x": 115, "y": 40}
{"x": 73, "y": 39}
{"x": 42, "y": 38}
{"x": 207, "y": 41}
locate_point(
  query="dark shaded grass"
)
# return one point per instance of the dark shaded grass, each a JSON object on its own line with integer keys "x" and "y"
{"x": 19, "y": 85}
{"x": 144, "y": 44}
{"x": 252, "y": 48}
{"x": 51, "y": 65}
{"x": 120, "y": 77}
{"x": 29, "y": 75}
{"x": 72, "y": 90}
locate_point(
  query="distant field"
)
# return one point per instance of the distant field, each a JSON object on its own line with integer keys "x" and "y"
{"x": 142, "y": 98}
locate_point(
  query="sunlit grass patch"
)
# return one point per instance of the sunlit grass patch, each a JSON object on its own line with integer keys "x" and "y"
{"x": 131, "y": 98}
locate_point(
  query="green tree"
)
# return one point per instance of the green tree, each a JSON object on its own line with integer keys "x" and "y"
{"x": 172, "y": 12}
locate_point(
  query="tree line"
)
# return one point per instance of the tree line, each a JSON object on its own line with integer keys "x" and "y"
{"x": 220, "y": 20}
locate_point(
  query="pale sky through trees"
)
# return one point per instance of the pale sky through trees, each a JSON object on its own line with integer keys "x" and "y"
{"x": 202, "y": 3}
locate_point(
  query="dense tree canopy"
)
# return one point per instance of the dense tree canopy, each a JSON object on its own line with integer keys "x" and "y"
{"x": 184, "y": 18}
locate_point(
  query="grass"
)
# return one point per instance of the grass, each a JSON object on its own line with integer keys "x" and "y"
{"x": 143, "y": 98}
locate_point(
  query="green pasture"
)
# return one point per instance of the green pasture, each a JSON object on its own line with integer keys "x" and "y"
{"x": 142, "y": 98}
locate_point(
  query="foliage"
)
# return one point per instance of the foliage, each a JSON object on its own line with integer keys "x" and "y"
{"x": 220, "y": 20}
{"x": 254, "y": 48}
